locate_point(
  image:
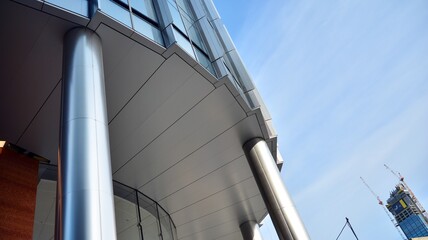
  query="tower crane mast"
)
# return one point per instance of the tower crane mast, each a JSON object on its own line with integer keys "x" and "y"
{"x": 384, "y": 208}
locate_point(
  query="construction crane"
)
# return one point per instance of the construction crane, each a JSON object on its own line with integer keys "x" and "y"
{"x": 384, "y": 208}
{"x": 413, "y": 196}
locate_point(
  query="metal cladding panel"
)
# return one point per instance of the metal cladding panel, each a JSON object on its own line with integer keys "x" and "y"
{"x": 128, "y": 66}
{"x": 252, "y": 209}
{"x": 221, "y": 150}
{"x": 222, "y": 230}
{"x": 212, "y": 116}
{"x": 172, "y": 91}
{"x": 233, "y": 173}
{"x": 231, "y": 236}
{"x": 20, "y": 38}
{"x": 116, "y": 47}
{"x": 233, "y": 195}
{"x": 31, "y": 60}
{"x": 45, "y": 126}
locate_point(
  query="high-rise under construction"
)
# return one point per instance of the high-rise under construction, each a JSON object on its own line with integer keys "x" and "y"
{"x": 411, "y": 217}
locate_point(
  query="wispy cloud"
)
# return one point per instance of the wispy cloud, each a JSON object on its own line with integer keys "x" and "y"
{"x": 347, "y": 86}
{"x": 369, "y": 154}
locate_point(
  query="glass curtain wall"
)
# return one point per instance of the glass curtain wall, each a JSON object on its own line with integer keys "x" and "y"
{"x": 187, "y": 32}
{"x": 142, "y": 16}
{"x": 137, "y": 216}
{"x": 139, "y": 15}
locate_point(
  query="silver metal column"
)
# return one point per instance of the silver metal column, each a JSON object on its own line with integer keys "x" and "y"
{"x": 250, "y": 231}
{"x": 85, "y": 193}
{"x": 278, "y": 202}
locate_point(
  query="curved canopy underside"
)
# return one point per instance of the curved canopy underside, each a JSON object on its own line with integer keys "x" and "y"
{"x": 176, "y": 132}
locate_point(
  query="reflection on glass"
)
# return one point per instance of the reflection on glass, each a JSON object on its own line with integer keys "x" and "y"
{"x": 126, "y": 212}
{"x": 147, "y": 29}
{"x": 184, "y": 43}
{"x": 148, "y": 216}
{"x": 123, "y": 1}
{"x": 126, "y": 219}
{"x": 77, "y": 6}
{"x": 238, "y": 68}
{"x": 174, "y": 230}
{"x": 165, "y": 225}
{"x": 185, "y": 9}
{"x": 145, "y": 7}
{"x": 117, "y": 11}
{"x": 132, "y": 222}
{"x": 176, "y": 17}
{"x": 204, "y": 61}
{"x": 186, "y": 20}
{"x": 44, "y": 215}
{"x": 196, "y": 37}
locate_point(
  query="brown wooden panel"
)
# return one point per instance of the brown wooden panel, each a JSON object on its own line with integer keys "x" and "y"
{"x": 18, "y": 187}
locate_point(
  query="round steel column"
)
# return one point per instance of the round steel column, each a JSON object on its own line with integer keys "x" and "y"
{"x": 278, "y": 202}
{"x": 85, "y": 193}
{"x": 250, "y": 231}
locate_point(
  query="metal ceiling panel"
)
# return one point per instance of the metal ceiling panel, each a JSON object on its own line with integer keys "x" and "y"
{"x": 172, "y": 91}
{"x": 215, "y": 154}
{"x": 43, "y": 133}
{"x": 128, "y": 65}
{"x": 233, "y": 173}
{"x": 228, "y": 197}
{"x": 20, "y": 38}
{"x": 31, "y": 63}
{"x": 225, "y": 230}
{"x": 116, "y": 47}
{"x": 231, "y": 236}
{"x": 212, "y": 116}
{"x": 219, "y": 231}
{"x": 221, "y": 220}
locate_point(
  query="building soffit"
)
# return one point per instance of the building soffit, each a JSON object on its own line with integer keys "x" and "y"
{"x": 167, "y": 116}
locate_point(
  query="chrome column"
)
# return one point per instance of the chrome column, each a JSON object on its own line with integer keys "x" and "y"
{"x": 278, "y": 202}
{"x": 85, "y": 193}
{"x": 250, "y": 231}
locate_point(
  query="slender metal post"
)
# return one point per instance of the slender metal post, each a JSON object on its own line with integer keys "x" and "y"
{"x": 139, "y": 215}
{"x": 250, "y": 231}
{"x": 159, "y": 221}
{"x": 85, "y": 191}
{"x": 278, "y": 202}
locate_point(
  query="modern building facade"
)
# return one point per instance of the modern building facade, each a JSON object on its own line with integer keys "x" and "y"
{"x": 132, "y": 119}
{"x": 410, "y": 216}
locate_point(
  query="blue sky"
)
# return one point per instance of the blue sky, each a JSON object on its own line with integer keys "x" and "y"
{"x": 346, "y": 83}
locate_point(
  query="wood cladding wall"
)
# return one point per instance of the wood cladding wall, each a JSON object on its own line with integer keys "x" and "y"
{"x": 18, "y": 188}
